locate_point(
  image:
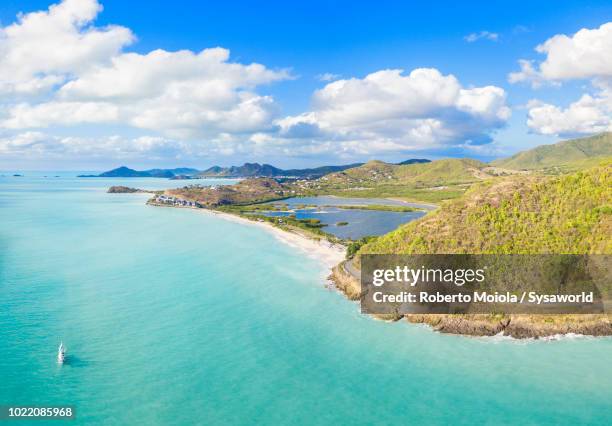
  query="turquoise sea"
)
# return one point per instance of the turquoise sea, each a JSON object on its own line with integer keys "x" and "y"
{"x": 176, "y": 317}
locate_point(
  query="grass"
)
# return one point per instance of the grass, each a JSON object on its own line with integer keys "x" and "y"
{"x": 404, "y": 193}
{"x": 378, "y": 207}
{"x": 431, "y": 182}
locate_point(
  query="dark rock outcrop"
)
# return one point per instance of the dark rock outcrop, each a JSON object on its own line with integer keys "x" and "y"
{"x": 122, "y": 190}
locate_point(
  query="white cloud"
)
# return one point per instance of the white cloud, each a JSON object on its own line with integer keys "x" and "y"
{"x": 60, "y": 72}
{"x": 26, "y": 141}
{"x": 42, "y": 49}
{"x": 527, "y": 73}
{"x": 81, "y": 75}
{"x": 482, "y": 35}
{"x": 24, "y": 115}
{"x": 328, "y": 76}
{"x": 206, "y": 76}
{"x": 390, "y": 111}
{"x": 584, "y": 55}
{"x": 590, "y": 114}
{"x": 122, "y": 149}
{"x": 44, "y": 146}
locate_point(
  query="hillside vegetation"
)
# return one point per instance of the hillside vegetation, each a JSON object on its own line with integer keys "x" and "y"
{"x": 520, "y": 214}
{"x": 564, "y": 156}
{"x": 245, "y": 192}
{"x": 439, "y": 172}
{"x": 432, "y": 181}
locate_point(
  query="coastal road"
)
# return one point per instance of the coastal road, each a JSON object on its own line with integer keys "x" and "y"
{"x": 352, "y": 270}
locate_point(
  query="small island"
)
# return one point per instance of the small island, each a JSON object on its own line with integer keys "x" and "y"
{"x": 123, "y": 190}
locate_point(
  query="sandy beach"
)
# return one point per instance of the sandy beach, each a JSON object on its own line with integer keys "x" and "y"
{"x": 322, "y": 250}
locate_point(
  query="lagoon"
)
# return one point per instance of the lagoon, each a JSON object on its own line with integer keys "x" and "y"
{"x": 359, "y": 223}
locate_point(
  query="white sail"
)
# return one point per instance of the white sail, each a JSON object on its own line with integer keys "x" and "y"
{"x": 61, "y": 353}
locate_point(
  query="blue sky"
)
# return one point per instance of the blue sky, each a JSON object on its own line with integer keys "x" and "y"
{"x": 299, "y": 43}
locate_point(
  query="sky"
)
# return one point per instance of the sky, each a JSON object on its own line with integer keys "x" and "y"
{"x": 94, "y": 84}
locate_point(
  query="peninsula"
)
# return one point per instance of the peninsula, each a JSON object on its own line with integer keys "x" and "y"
{"x": 553, "y": 199}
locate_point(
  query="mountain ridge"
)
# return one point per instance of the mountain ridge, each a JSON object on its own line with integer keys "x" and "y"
{"x": 245, "y": 171}
{"x": 124, "y": 171}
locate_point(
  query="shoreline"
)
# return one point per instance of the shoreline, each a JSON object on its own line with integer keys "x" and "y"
{"x": 327, "y": 253}
{"x": 516, "y": 326}
{"x": 427, "y": 206}
{"x": 321, "y": 250}
{"x": 332, "y": 258}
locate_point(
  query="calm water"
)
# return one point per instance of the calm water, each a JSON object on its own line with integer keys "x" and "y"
{"x": 174, "y": 316}
{"x": 360, "y": 222}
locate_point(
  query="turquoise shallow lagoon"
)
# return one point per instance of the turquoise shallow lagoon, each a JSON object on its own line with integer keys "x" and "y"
{"x": 174, "y": 316}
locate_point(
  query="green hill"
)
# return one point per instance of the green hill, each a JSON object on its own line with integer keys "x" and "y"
{"x": 248, "y": 191}
{"x": 440, "y": 172}
{"x": 568, "y": 155}
{"x": 431, "y": 182}
{"x": 519, "y": 214}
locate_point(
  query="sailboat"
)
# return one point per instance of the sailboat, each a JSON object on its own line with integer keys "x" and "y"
{"x": 61, "y": 353}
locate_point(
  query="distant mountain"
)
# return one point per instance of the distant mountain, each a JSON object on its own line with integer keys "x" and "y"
{"x": 214, "y": 170}
{"x": 414, "y": 161}
{"x": 573, "y": 153}
{"x": 319, "y": 171}
{"x": 244, "y": 171}
{"x": 266, "y": 170}
{"x": 176, "y": 172}
{"x": 157, "y": 173}
{"x": 120, "y": 172}
{"x": 252, "y": 170}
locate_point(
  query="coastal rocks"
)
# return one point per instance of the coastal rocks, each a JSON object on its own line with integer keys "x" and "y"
{"x": 529, "y": 326}
{"x": 122, "y": 190}
{"x": 516, "y": 326}
{"x": 345, "y": 282}
{"x": 470, "y": 325}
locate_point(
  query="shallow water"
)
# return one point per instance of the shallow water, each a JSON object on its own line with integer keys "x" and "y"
{"x": 171, "y": 316}
{"x": 361, "y": 223}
